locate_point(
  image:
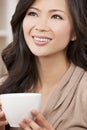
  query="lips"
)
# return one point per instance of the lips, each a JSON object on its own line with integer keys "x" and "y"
{"x": 41, "y": 40}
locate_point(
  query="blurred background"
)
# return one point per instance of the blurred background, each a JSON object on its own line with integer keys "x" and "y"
{"x": 7, "y": 8}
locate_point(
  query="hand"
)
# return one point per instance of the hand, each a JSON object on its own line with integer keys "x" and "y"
{"x": 40, "y": 123}
{"x": 3, "y": 121}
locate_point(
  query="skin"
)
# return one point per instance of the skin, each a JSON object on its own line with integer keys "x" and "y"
{"x": 39, "y": 123}
{"x": 3, "y": 121}
{"x": 42, "y": 21}
{"x": 47, "y": 31}
{"x": 53, "y": 23}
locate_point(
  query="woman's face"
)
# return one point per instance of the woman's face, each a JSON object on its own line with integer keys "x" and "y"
{"x": 47, "y": 27}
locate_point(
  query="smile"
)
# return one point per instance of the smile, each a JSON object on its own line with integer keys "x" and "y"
{"x": 41, "y": 40}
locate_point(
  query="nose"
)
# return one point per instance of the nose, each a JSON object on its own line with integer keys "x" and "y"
{"x": 42, "y": 25}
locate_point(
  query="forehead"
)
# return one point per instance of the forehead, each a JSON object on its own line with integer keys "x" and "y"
{"x": 51, "y": 4}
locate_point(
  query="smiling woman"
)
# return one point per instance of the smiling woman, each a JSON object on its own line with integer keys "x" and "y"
{"x": 44, "y": 25}
{"x": 48, "y": 55}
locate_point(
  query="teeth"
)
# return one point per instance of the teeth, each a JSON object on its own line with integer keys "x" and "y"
{"x": 42, "y": 39}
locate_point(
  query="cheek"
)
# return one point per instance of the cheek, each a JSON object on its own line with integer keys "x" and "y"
{"x": 28, "y": 24}
{"x": 63, "y": 31}
{"x": 62, "y": 35}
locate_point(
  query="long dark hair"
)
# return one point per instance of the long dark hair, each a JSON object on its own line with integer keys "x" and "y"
{"x": 21, "y": 63}
{"x": 77, "y": 50}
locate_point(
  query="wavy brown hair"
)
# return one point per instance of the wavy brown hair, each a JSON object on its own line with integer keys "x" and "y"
{"x": 77, "y": 51}
{"x": 21, "y": 63}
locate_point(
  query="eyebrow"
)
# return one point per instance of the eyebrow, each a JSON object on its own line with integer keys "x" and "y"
{"x": 53, "y": 10}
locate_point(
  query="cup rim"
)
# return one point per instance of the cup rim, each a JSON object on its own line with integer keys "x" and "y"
{"x": 20, "y": 94}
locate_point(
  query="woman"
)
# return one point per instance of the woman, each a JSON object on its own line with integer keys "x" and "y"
{"x": 48, "y": 55}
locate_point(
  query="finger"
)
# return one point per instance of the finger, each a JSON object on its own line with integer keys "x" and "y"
{"x": 40, "y": 119}
{"x": 32, "y": 124}
{"x": 24, "y": 126}
{"x": 3, "y": 123}
{"x": 2, "y": 115}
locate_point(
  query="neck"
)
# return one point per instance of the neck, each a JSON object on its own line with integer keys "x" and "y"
{"x": 51, "y": 70}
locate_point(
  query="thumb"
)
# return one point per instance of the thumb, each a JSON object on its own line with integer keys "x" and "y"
{"x": 40, "y": 119}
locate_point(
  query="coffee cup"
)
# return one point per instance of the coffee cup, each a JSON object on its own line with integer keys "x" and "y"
{"x": 16, "y": 106}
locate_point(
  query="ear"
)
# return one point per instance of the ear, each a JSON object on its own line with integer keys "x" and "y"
{"x": 73, "y": 38}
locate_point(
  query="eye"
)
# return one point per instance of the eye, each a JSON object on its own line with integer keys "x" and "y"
{"x": 56, "y": 16}
{"x": 32, "y": 14}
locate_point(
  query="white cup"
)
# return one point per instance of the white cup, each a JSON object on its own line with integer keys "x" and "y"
{"x": 16, "y": 106}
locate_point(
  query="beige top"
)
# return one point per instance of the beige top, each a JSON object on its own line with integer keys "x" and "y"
{"x": 67, "y": 107}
